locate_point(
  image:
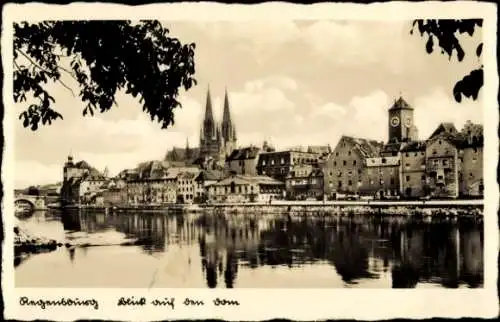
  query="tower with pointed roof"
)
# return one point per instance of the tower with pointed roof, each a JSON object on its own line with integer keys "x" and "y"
{"x": 217, "y": 140}
{"x": 401, "y": 124}
{"x": 228, "y": 128}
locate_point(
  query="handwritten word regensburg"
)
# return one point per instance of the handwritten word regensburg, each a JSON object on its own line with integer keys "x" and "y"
{"x": 42, "y": 303}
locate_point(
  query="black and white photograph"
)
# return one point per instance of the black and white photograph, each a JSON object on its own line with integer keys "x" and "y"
{"x": 296, "y": 153}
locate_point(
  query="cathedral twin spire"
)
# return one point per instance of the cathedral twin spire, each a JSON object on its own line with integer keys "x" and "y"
{"x": 224, "y": 133}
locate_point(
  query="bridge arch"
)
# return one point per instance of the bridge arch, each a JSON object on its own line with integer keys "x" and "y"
{"x": 20, "y": 201}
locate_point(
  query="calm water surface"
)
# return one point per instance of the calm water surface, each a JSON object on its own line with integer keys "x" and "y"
{"x": 262, "y": 251}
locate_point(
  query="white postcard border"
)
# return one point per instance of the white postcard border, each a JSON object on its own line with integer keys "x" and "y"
{"x": 258, "y": 304}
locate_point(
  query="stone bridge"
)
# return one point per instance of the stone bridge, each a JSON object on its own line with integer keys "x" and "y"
{"x": 35, "y": 202}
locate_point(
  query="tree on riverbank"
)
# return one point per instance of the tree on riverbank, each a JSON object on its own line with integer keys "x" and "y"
{"x": 446, "y": 33}
{"x": 99, "y": 58}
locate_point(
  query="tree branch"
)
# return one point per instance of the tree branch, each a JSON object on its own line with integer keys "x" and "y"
{"x": 33, "y": 62}
{"x": 48, "y": 72}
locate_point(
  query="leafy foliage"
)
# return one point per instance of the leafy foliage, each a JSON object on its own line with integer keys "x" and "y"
{"x": 446, "y": 33}
{"x": 104, "y": 57}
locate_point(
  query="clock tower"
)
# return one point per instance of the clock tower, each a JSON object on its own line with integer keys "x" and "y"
{"x": 401, "y": 127}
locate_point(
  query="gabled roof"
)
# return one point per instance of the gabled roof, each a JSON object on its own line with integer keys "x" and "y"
{"x": 244, "y": 154}
{"x": 446, "y": 127}
{"x": 92, "y": 172}
{"x": 366, "y": 148}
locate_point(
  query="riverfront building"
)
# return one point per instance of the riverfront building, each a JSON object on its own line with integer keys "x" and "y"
{"x": 239, "y": 188}
{"x": 80, "y": 182}
{"x": 449, "y": 164}
{"x": 279, "y": 164}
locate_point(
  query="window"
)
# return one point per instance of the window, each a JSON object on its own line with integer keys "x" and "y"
{"x": 336, "y": 154}
{"x": 282, "y": 160}
{"x": 445, "y": 162}
{"x": 407, "y": 165}
{"x": 272, "y": 162}
{"x": 263, "y": 162}
{"x": 392, "y": 180}
{"x": 339, "y": 174}
{"x": 349, "y": 153}
{"x": 354, "y": 162}
{"x": 349, "y": 182}
{"x": 434, "y": 151}
{"x": 359, "y": 171}
{"x": 334, "y": 163}
{"x": 371, "y": 181}
{"x": 471, "y": 175}
{"x": 349, "y": 173}
{"x": 340, "y": 184}
{"x": 440, "y": 142}
{"x": 423, "y": 177}
{"x": 407, "y": 178}
{"x": 440, "y": 177}
{"x": 384, "y": 160}
{"x": 345, "y": 162}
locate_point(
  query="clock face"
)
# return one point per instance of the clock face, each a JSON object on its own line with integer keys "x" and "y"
{"x": 395, "y": 121}
{"x": 408, "y": 122}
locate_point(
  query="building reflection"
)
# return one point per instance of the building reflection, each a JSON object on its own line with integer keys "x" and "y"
{"x": 358, "y": 248}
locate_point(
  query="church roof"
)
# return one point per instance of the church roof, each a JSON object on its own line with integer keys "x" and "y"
{"x": 179, "y": 154}
{"x": 400, "y": 104}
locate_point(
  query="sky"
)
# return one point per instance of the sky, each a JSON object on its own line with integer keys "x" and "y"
{"x": 289, "y": 82}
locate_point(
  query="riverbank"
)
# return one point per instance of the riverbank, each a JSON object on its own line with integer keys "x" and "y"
{"x": 447, "y": 208}
{"x": 26, "y": 243}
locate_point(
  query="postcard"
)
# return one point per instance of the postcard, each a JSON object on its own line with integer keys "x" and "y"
{"x": 250, "y": 162}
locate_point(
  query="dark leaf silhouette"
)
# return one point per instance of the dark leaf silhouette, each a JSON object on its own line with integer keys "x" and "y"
{"x": 103, "y": 57}
{"x": 446, "y": 33}
{"x": 479, "y": 50}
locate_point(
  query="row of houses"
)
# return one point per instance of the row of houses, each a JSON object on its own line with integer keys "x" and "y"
{"x": 448, "y": 164}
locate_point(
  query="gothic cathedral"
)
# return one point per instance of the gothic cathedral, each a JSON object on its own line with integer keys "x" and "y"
{"x": 217, "y": 141}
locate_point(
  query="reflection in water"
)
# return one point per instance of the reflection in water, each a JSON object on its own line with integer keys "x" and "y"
{"x": 228, "y": 248}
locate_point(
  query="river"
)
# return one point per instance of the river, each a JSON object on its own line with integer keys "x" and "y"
{"x": 252, "y": 251}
